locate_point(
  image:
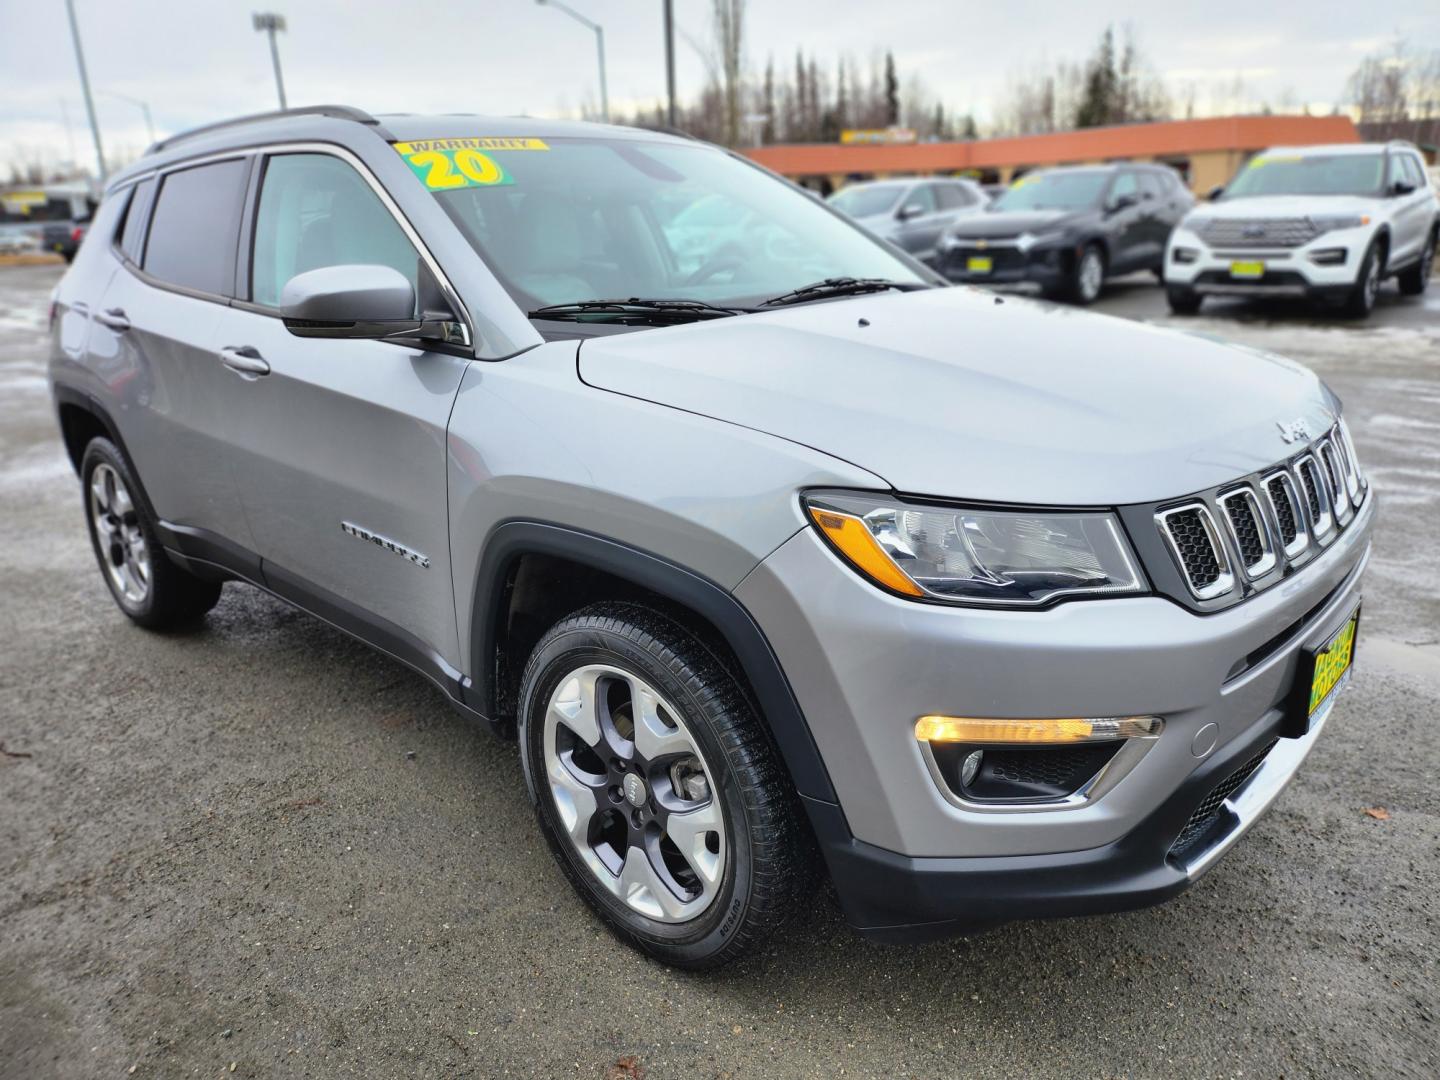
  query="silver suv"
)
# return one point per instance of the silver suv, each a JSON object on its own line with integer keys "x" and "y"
{"x": 765, "y": 551}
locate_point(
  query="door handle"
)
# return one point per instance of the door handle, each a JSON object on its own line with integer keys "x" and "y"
{"x": 245, "y": 360}
{"x": 114, "y": 318}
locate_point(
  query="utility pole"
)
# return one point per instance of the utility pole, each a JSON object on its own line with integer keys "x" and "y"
{"x": 85, "y": 88}
{"x": 599, "y": 48}
{"x": 271, "y": 24}
{"x": 670, "y": 62}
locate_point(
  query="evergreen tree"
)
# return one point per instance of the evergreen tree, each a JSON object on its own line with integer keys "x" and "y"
{"x": 892, "y": 91}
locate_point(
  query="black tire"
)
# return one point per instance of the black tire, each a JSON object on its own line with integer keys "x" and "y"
{"x": 1416, "y": 279}
{"x": 172, "y": 598}
{"x": 768, "y": 867}
{"x": 1084, "y": 286}
{"x": 1361, "y": 300}
{"x": 1183, "y": 301}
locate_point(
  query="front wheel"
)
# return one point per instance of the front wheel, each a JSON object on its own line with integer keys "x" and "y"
{"x": 1183, "y": 301}
{"x": 1414, "y": 281}
{"x": 1088, "y": 276}
{"x": 656, "y": 787}
{"x": 1361, "y": 301}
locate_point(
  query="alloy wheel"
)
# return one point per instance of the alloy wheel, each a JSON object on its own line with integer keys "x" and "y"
{"x": 634, "y": 794}
{"x": 1092, "y": 275}
{"x": 124, "y": 553}
{"x": 1372, "y": 282}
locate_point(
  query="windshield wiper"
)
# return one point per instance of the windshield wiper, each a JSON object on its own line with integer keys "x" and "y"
{"x": 842, "y": 286}
{"x": 636, "y": 310}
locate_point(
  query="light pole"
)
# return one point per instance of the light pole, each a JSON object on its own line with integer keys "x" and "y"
{"x": 670, "y": 63}
{"x": 271, "y": 23}
{"x": 85, "y": 86}
{"x": 144, "y": 108}
{"x": 599, "y": 48}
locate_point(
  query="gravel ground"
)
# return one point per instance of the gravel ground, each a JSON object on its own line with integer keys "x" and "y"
{"x": 261, "y": 848}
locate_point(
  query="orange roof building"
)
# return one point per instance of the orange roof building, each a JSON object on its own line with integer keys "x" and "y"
{"x": 1206, "y": 152}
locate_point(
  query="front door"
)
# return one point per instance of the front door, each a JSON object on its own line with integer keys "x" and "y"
{"x": 1127, "y": 225}
{"x": 339, "y": 446}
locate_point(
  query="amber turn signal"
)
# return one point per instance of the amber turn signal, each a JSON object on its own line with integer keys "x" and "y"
{"x": 969, "y": 729}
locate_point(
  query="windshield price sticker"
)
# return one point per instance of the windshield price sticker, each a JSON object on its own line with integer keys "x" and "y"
{"x": 448, "y": 164}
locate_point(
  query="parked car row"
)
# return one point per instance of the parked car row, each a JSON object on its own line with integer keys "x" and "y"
{"x": 1328, "y": 223}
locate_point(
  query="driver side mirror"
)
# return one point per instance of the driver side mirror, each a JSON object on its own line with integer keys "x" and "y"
{"x": 356, "y": 301}
{"x": 1216, "y": 192}
{"x": 910, "y": 210}
{"x": 1402, "y": 187}
{"x": 1122, "y": 202}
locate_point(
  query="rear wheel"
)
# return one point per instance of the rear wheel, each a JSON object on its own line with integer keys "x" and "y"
{"x": 1088, "y": 275}
{"x": 147, "y": 586}
{"x": 656, "y": 787}
{"x": 1414, "y": 281}
{"x": 1361, "y": 301}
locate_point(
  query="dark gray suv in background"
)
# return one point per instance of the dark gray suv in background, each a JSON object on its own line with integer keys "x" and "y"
{"x": 763, "y": 545}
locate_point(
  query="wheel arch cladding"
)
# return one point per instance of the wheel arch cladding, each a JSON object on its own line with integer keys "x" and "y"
{"x": 512, "y": 543}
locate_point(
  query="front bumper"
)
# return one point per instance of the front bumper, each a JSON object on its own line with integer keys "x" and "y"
{"x": 1289, "y": 272}
{"x": 910, "y": 862}
{"x": 1047, "y": 266}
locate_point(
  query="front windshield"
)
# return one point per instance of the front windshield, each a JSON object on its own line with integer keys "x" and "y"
{"x": 1053, "y": 191}
{"x": 867, "y": 201}
{"x": 1309, "y": 174}
{"x": 568, "y": 219}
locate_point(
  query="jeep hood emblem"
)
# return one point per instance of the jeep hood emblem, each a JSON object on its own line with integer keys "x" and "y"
{"x": 1293, "y": 432}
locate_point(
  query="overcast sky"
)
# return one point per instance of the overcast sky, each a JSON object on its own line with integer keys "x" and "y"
{"x": 200, "y": 60}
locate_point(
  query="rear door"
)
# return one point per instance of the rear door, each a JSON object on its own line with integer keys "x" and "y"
{"x": 339, "y": 446}
{"x": 154, "y": 341}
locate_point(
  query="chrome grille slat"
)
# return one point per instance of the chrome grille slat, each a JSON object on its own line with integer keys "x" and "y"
{"x": 1197, "y": 547}
{"x": 1284, "y": 503}
{"x": 1249, "y": 530}
{"x": 1259, "y": 232}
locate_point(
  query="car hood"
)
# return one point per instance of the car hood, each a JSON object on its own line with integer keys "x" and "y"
{"x": 1014, "y": 222}
{"x": 955, "y": 392}
{"x": 1284, "y": 206}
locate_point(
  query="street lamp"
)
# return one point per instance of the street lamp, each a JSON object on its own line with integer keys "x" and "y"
{"x": 599, "y": 47}
{"x": 271, "y": 23}
{"x": 85, "y": 86}
{"x": 144, "y": 108}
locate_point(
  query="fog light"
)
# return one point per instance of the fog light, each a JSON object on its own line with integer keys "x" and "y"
{"x": 970, "y": 767}
{"x": 1183, "y": 255}
{"x": 1328, "y": 257}
{"x": 969, "y": 729}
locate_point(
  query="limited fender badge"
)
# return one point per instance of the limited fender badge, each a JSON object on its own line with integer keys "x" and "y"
{"x": 359, "y": 532}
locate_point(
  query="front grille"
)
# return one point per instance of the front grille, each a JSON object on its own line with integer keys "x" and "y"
{"x": 1310, "y": 481}
{"x": 1335, "y": 476}
{"x": 1241, "y": 512}
{"x": 1065, "y": 767}
{"x": 1204, "y": 815}
{"x": 1279, "y": 493}
{"x": 1193, "y": 539}
{"x": 1259, "y": 232}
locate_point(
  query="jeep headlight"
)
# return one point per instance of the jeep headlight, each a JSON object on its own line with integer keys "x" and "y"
{"x": 971, "y": 555}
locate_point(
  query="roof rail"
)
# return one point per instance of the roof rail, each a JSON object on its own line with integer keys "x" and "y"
{"x": 335, "y": 112}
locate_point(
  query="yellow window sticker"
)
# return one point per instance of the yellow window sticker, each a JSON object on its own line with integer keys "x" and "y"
{"x": 446, "y": 164}
{"x": 1283, "y": 159}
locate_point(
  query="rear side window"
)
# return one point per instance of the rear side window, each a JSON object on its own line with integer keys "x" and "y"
{"x": 195, "y": 225}
{"x": 132, "y": 236}
{"x": 317, "y": 211}
{"x": 953, "y": 196}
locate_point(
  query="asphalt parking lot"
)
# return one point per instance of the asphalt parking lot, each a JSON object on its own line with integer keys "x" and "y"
{"x": 259, "y": 849}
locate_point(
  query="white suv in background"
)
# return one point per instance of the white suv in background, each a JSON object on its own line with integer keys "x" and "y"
{"x": 1329, "y": 222}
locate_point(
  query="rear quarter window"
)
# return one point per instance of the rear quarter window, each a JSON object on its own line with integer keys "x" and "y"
{"x": 195, "y": 226}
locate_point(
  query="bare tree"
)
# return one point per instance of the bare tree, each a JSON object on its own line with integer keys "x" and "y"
{"x": 729, "y": 17}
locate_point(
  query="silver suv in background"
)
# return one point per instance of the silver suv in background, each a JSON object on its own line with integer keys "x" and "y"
{"x": 763, "y": 547}
{"x": 1322, "y": 222}
{"x": 913, "y": 214}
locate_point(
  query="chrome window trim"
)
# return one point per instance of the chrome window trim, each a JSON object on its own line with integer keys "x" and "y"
{"x": 1302, "y": 528}
{"x": 1226, "y": 581}
{"x": 1322, "y": 525}
{"x": 1262, "y": 524}
{"x": 306, "y": 146}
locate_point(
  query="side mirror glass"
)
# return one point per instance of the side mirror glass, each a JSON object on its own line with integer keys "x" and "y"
{"x": 1216, "y": 192}
{"x": 1402, "y": 187}
{"x": 357, "y": 301}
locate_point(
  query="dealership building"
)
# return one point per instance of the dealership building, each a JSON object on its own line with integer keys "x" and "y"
{"x": 1205, "y": 152}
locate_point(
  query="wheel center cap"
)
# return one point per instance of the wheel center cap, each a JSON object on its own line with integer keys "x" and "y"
{"x": 635, "y": 793}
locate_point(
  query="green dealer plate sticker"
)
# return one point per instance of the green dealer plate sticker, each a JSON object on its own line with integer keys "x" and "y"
{"x": 448, "y": 164}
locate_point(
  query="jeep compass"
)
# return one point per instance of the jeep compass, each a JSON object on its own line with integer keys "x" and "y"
{"x": 778, "y": 557}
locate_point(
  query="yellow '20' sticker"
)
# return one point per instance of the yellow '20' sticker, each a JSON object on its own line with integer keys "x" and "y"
{"x": 447, "y": 164}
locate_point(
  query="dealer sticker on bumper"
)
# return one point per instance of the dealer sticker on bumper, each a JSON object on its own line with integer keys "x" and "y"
{"x": 1251, "y": 269}
{"x": 979, "y": 264}
{"x": 1321, "y": 675}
